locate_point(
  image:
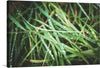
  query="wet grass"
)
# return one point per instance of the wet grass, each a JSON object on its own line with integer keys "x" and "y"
{"x": 52, "y": 34}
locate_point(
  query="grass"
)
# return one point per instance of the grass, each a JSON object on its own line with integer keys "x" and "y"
{"x": 52, "y": 34}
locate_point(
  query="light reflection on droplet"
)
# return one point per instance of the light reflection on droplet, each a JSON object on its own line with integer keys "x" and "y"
{"x": 71, "y": 38}
{"x": 56, "y": 14}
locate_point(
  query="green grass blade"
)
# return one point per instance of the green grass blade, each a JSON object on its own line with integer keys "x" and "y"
{"x": 16, "y": 22}
{"x": 83, "y": 11}
{"x": 29, "y": 53}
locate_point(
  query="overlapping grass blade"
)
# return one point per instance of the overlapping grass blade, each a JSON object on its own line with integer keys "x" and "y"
{"x": 29, "y": 53}
{"x": 83, "y": 11}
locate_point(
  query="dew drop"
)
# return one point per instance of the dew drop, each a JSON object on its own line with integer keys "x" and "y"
{"x": 64, "y": 51}
{"x": 49, "y": 51}
{"x": 56, "y": 14}
{"x": 16, "y": 32}
{"x": 15, "y": 29}
{"x": 71, "y": 38}
{"x": 76, "y": 34}
{"x": 50, "y": 36}
{"x": 87, "y": 32}
{"x": 73, "y": 34}
{"x": 62, "y": 44}
{"x": 63, "y": 32}
{"x": 93, "y": 33}
{"x": 64, "y": 26}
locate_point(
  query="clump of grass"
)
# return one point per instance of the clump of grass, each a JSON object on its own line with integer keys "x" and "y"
{"x": 53, "y": 33}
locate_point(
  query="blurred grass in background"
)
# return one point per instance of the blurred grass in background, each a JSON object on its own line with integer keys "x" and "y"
{"x": 52, "y": 33}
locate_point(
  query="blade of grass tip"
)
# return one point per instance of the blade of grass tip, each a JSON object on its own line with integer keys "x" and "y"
{"x": 29, "y": 53}
{"x": 83, "y": 11}
{"x": 16, "y": 22}
{"x": 12, "y": 49}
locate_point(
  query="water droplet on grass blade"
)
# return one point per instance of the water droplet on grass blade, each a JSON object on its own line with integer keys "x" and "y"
{"x": 56, "y": 14}
{"x": 64, "y": 51}
{"x": 71, "y": 38}
{"x": 76, "y": 34}
{"x": 93, "y": 33}
{"x": 64, "y": 26}
{"x": 87, "y": 32}
{"x": 63, "y": 31}
{"x": 49, "y": 51}
{"x": 49, "y": 20}
{"x": 50, "y": 36}
{"x": 16, "y": 33}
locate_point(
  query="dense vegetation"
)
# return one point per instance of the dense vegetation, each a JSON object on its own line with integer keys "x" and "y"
{"x": 52, "y": 34}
